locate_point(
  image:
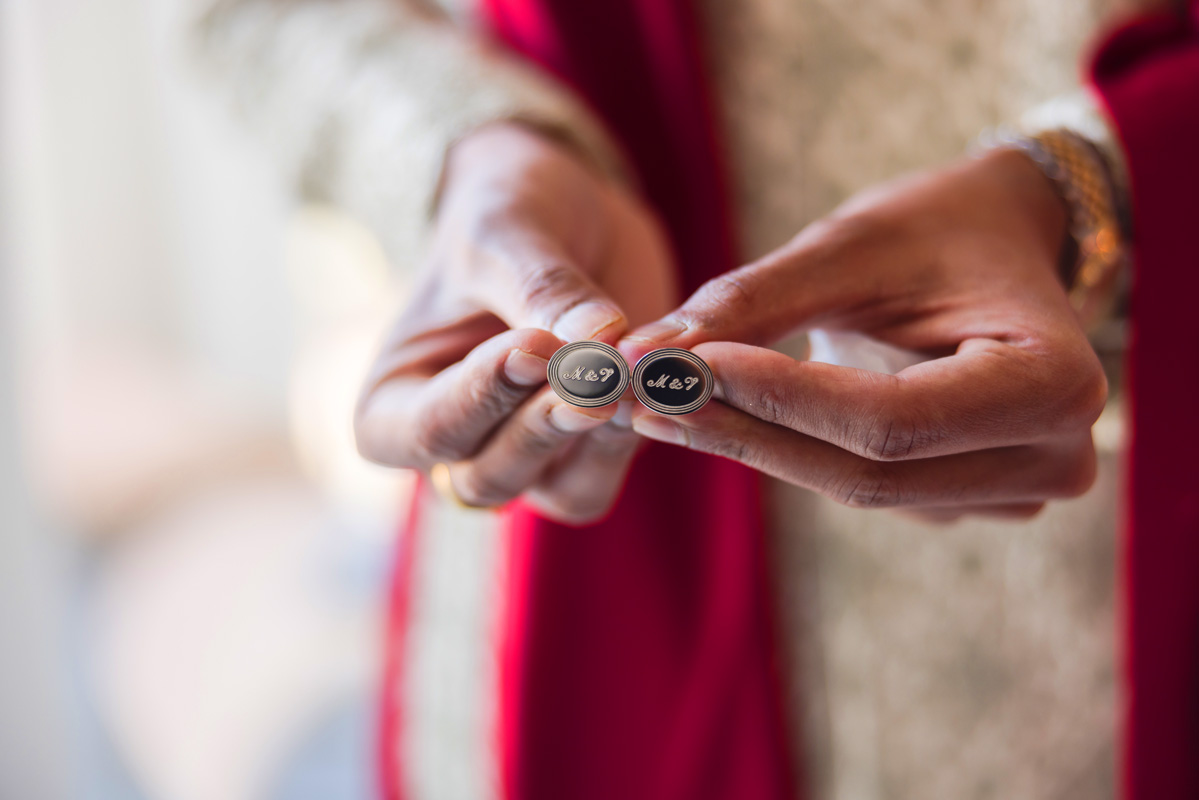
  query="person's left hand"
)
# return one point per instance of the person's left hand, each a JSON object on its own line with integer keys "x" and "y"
{"x": 959, "y": 263}
{"x": 531, "y": 248}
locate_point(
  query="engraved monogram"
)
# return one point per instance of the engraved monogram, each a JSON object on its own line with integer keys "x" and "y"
{"x": 578, "y": 375}
{"x": 666, "y": 382}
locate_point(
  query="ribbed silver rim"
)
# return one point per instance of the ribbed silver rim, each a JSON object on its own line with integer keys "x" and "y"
{"x": 671, "y": 352}
{"x": 622, "y": 367}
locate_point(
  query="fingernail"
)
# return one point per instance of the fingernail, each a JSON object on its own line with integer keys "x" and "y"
{"x": 586, "y": 320}
{"x": 569, "y": 419}
{"x": 660, "y": 429}
{"x": 524, "y": 368}
{"x": 658, "y": 331}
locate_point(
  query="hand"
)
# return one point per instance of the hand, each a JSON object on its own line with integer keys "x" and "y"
{"x": 960, "y": 264}
{"x": 531, "y": 249}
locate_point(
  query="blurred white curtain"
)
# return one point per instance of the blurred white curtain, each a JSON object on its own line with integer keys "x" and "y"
{"x": 35, "y": 757}
{"x": 179, "y": 355}
{"x": 35, "y": 760}
{"x": 139, "y": 210}
{"x": 135, "y": 216}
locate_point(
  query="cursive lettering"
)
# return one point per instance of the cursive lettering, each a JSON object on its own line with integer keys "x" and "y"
{"x": 666, "y": 382}
{"x": 578, "y": 374}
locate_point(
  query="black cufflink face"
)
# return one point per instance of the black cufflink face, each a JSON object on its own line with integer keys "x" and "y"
{"x": 672, "y": 381}
{"x": 588, "y": 374}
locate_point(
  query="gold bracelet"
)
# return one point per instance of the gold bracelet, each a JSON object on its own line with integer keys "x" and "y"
{"x": 1083, "y": 180}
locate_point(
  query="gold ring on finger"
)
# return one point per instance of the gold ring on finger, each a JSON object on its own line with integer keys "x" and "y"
{"x": 439, "y": 475}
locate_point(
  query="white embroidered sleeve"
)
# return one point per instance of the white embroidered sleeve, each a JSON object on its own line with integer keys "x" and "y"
{"x": 359, "y": 100}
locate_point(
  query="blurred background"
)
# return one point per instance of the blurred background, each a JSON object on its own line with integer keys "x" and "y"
{"x": 192, "y": 555}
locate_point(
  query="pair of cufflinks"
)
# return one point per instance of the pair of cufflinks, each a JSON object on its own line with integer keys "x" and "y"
{"x": 670, "y": 381}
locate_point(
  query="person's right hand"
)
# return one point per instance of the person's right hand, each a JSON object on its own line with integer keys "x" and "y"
{"x": 531, "y": 249}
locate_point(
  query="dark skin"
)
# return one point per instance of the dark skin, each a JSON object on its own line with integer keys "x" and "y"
{"x": 532, "y": 249}
{"x": 959, "y": 262}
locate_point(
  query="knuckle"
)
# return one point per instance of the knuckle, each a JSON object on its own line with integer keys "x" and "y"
{"x": 367, "y": 443}
{"x": 368, "y": 448}
{"x": 433, "y": 442}
{"x": 1078, "y": 387}
{"x": 537, "y": 440}
{"x": 895, "y": 437}
{"x": 727, "y": 295}
{"x": 1091, "y": 396}
{"x": 532, "y": 340}
{"x": 365, "y": 437}
{"x": 480, "y": 487}
{"x": 771, "y": 406}
{"x": 383, "y": 435}
{"x": 490, "y": 399}
{"x": 868, "y": 487}
{"x": 1079, "y": 476}
{"x": 550, "y": 283}
{"x": 734, "y": 448}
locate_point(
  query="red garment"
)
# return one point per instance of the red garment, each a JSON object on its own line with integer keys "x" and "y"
{"x": 1148, "y": 74}
{"x": 639, "y": 654}
{"x": 639, "y": 660}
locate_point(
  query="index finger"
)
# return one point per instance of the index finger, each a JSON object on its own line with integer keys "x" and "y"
{"x": 988, "y": 394}
{"x": 815, "y": 274}
{"x": 529, "y": 280}
{"x": 415, "y": 421}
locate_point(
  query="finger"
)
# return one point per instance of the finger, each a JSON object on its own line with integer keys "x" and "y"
{"x": 530, "y": 281}
{"x": 985, "y": 396}
{"x": 873, "y": 264}
{"x": 760, "y": 303}
{"x": 418, "y": 347}
{"x": 582, "y": 487}
{"x": 408, "y": 421}
{"x": 522, "y": 448}
{"x": 1024, "y": 474}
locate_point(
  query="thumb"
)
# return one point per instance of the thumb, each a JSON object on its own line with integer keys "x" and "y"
{"x": 531, "y": 282}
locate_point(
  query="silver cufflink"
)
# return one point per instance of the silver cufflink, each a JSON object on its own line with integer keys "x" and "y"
{"x": 588, "y": 374}
{"x": 591, "y": 374}
{"x": 672, "y": 381}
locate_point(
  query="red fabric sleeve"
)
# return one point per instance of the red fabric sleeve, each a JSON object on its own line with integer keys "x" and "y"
{"x": 1148, "y": 75}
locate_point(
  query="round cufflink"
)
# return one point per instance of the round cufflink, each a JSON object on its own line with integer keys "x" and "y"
{"x": 588, "y": 374}
{"x": 672, "y": 381}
